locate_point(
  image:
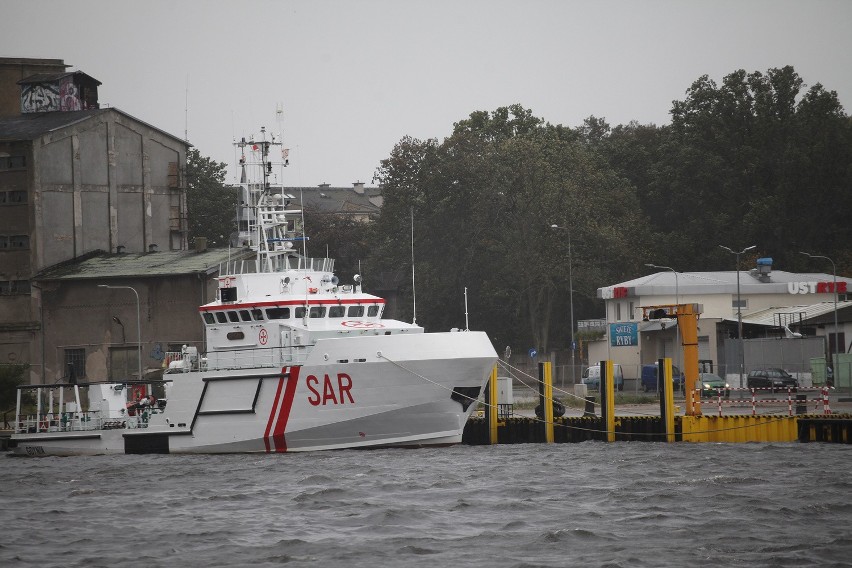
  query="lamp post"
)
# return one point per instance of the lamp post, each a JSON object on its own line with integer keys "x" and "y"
{"x": 836, "y": 334}
{"x": 138, "y": 324}
{"x": 570, "y": 299}
{"x": 677, "y": 302}
{"x": 677, "y": 295}
{"x": 739, "y": 309}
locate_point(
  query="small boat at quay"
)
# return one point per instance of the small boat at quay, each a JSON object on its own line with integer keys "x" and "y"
{"x": 295, "y": 361}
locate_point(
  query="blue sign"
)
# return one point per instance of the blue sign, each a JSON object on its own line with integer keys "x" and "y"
{"x": 623, "y": 334}
{"x": 533, "y": 353}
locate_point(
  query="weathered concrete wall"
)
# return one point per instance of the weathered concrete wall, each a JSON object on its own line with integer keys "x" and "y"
{"x": 104, "y": 183}
{"x": 79, "y": 315}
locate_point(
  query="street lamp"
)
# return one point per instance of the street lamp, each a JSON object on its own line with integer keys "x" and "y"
{"x": 677, "y": 302}
{"x": 836, "y": 334}
{"x": 570, "y": 299}
{"x": 138, "y": 323}
{"x": 677, "y": 295}
{"x": 739, "y": 309}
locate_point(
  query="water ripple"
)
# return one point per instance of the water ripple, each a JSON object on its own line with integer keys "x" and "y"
{"x": 626, "y": 504}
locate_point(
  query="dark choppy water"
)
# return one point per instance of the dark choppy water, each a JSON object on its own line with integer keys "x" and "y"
{"x": 590, "y": 504}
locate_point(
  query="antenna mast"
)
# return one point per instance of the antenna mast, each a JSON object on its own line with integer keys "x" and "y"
{"x": 413, "y": 289}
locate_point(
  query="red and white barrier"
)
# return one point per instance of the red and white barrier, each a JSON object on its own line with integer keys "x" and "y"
{"x": 822, "y": 399}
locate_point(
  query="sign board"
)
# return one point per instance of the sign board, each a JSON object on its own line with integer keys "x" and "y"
{"x": 623, "y": 334}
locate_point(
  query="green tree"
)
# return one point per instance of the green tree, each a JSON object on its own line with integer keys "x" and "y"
{"x": 211, "y": 205}
{"x": 483, "y": 201}
{"x": 341, "y": 237}
{"x": 11, "y": 377}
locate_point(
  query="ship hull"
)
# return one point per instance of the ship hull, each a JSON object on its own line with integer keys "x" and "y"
{"x": 377, "y": 391}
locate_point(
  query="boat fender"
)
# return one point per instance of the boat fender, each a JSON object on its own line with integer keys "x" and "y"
{"x": 558, "y": 409}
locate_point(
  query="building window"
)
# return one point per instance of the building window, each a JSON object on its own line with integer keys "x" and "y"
{"x": 618, "y": 311}
{"x": 632, "y": 311}
{"x": 75, "y": 365}
{"x": 741, "y": 304}
{"x": 12, "y": 162}
{"x": 15, "y": 197}
{"x": 14, "y": 287}
{"x": 12, "y": 242}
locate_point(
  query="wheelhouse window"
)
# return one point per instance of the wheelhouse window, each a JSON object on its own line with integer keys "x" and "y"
{"x": 299, "y": 312}
{"x": 245, "y": 315}
{"x": 336, "y": 311}
{"x": 317, "y": 311}
{"x": 356, "y": 311}
{"x": 234, "y": 317}
{"x": 373, "y": 311}
{"x": 278, "y": 313}
{"x": 208, "y": 318}
{"x": 257, "y": 314}
{"x": 221, "y": 317}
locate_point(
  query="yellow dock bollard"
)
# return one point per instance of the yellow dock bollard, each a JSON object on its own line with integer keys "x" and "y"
{"x": 667, "y": 397}
{"x": 548, "y": 402}
{"x": 492, "y": 405}
{"x": 607, "y": 387}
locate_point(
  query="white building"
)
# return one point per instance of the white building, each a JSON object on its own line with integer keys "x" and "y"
{"x": 787, "y": 320}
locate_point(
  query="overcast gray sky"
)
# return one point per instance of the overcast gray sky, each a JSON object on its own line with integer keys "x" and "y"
{"x": 354, "y": 77}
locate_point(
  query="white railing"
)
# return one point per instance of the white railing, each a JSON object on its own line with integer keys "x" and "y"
{"x": 77, "y": 422}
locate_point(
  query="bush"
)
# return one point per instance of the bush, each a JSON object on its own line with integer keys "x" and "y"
{"x": 11, "y": 376}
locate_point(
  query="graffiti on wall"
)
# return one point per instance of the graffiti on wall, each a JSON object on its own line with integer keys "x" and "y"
{"x": 69, "y": 95}
{"x": 40, "y": 97}
{"x": 46, "y": 97}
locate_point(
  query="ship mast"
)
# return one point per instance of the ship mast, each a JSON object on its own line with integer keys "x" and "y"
{"x": 266, "y": 229}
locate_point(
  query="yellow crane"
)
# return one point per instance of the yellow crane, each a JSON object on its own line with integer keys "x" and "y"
{"x": 687, "y": 320}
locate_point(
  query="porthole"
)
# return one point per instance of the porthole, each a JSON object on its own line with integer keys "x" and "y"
{"x": 234, "y": 335}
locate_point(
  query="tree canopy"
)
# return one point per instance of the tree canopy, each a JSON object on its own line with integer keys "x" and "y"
{"x": 757, "y": 159}
{"x": 211, "y": 206}
{"x": 483, "y": 202}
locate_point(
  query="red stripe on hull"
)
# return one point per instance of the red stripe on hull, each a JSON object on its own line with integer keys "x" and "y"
{"x": 274, "y": 411}
{"x": 284, "y": 411}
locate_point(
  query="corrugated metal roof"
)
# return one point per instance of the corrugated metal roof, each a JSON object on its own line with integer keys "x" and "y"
{"x": 45, "y": 77}
{"x": 30, "y": 126}
{"x": 767, "y": 316}
{"x": 139, "y": 265}
{"x": 337, "y": 199}
{"x": 719, "y": 282}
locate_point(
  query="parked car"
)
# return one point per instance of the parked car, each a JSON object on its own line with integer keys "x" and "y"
{"x": 712, "y": 384}
{"x": 771, "y": 379}
{"x": 592, "y": 377}
{"x": 649, "y": 378}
